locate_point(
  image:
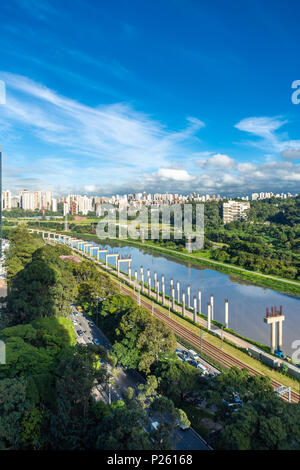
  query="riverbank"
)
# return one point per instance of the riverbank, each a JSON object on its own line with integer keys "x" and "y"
{"x": 223, "y": 346}
{"x": 284, "y": 286}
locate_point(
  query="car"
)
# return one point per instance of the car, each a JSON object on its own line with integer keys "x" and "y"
{"x": 181, "y": 356}
{"x": 79, "y": 332}
{"x": 75, "y": 322}
{"x": 202, "y": 367}
{"x": 91, "y": 323}
{"x": 96, "y": 341}
{"x": 154, "y": 425}
{"x": 192, "y": 362}
{"x": 183, "y": 427}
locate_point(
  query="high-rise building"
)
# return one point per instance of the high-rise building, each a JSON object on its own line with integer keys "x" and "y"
{"x": 48, "y": 199}
{"x": 234, "y": 210}
{"x": 54, "y": 205}
{"x": 37, "y": 200}
{"x": 6, "y": 200}
{"x": 26, "y": 200}
{"x": 65, "y": 208}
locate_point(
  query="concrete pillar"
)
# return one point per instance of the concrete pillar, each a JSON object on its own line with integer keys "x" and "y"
{"x": 157, "y": 291}
{"x": 155, "y": 279}
{"x": 212, "y": 306}
{"x": 142, "y": 278}
{"x": 195, "y": 309}
{"x": 163, "y": 293}
{"x": 188, "y": 301}
{"x": 149, "y": 286}
{"x": 199, "y": 302}
{"x": 171, "y": 285}
{"x": 273, "y": 336}
{"x": 178, "y": 291}
{"x": 209, "y": 316}
{"x": 183, "y": 304}
{"x": 280, "y": 335}
{"x": 129, "y": 272}
{"x": 135, "y": 277}
{"x": 226, "y": 313}
{"x": 173, "y": 298}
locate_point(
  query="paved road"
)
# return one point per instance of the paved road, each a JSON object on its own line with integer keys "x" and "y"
{"x": 184, "y": 440}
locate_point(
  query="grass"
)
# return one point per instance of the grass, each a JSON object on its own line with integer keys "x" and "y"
{"x": 285, "y": 286}
{"x": 228, "y": 348}
{"x": 202, "y": 258}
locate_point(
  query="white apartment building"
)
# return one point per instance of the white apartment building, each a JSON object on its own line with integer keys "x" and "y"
{"x": 38, "y": 200}
{"x": 234, "y": 210}
{"x": 26, "y": 200}
{"x": 54, "y": 205}
{"x": 6, "y": 200}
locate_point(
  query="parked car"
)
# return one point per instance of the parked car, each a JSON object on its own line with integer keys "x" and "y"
{"x": 181, "y": 356}
{"x": 79, "y": 332}
{"x": 96, "y": 341}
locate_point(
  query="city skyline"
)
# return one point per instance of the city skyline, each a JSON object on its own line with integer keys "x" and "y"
{"x": 137, "y": 106}
{"x": 78, "y": 203}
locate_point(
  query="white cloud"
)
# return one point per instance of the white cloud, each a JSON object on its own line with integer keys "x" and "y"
{"x": 291, "y": 154}
{"x": 245, "y": 167}
{"x": 174, "y": 174}
{"x": 221, "y": 161}
{"x": 114, "y": 134}
{"x": 260, "y": 126}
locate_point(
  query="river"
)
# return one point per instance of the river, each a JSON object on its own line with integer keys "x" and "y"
{"x": 247, "y": 302}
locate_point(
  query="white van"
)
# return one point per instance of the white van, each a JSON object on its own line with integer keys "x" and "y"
{"x": 193, "y": 355}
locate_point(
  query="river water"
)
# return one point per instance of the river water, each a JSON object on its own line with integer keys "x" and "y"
{"x": 247, "y": 302}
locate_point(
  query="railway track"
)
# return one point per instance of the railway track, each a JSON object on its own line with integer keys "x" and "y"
{"x": 221, "y": 356}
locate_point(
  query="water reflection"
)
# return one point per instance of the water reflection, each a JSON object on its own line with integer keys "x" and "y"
{"x": 247, "y": 302}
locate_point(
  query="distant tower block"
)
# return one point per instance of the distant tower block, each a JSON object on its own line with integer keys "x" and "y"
{"x": 199, "y": 302}
{"x": 183, "y": 304}
{"x": 226, "y": 313}
{"x": 188, "y": 301}
{"x": 275, "y": 318}
{"x": 208, "y": 316}
{"x": 212, "y": 306}
{"x": 178, "y": 291}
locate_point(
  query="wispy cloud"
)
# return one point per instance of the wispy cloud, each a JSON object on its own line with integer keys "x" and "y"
{"x": 266, "y": 128}
{"x": 116, "y": 135}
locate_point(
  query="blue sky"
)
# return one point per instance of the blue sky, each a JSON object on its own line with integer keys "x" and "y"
{"x": 123, "y": 96}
